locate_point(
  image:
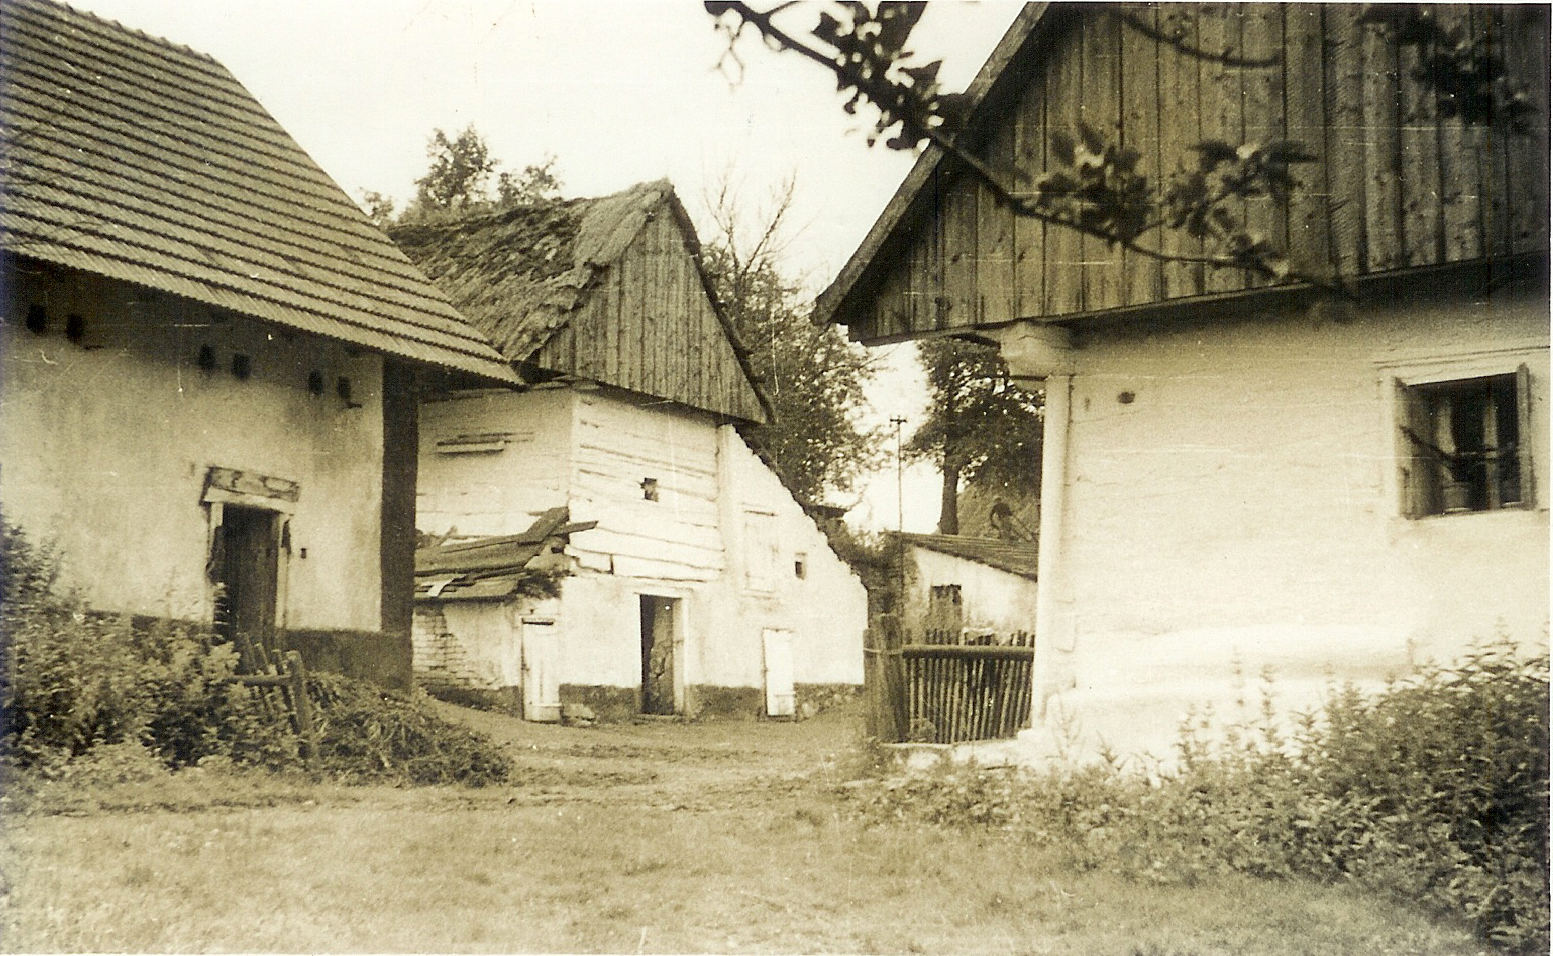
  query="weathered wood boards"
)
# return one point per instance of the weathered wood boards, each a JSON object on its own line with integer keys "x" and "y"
{"x": 1395, "y": 184}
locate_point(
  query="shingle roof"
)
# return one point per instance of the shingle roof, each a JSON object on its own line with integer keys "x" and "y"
{"x": 1010, "y": 556}
{"x": 487, "y": 568}
{"x": 132, "y": 157}
{"x": 521, "y": 273}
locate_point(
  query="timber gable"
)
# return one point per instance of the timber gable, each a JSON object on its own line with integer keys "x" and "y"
{"x": 1395, "y": 186}
{"x": 610, "y": 290}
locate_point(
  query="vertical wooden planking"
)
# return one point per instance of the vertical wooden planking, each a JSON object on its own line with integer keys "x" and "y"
{"x": 1142, "y": 281}
{"x": 1064, "y": 254}
{"x": 891, "y": 305}
{"x": 1494, "y": 209}
{"x": 959, "y": 257}
{"x": 1462, "y": 150}
{"x": 607, "y": 301}
{"x": 1343, "y": 107}
{"x": 1422, "y": 238}
{"x": 932, "y": 236}
{"x": 1030, "y": 234}
{"x": 922, "y": 291}
{"x": 1382, "y": 153}
{"x": 1180, "y": 128}
{"x": 1262, "y": 110}
{"x": 1526, "y": 56}
{"x": 1219, "y": 31}
{"x": 995, "y": 234}
{"x": 1101, "y": 110}
{"x": 1304, "y": 86}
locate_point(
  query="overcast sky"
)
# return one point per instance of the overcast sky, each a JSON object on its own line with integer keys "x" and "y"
{"x": 619, "y": 91}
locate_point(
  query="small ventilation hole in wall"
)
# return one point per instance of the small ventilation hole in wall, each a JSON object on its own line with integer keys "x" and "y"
{"x": 207, "y": 359}
{"x": 242, "y": 367}
{"x": 75, "y": 328}
{"x": 315, "y": 383}
{"x": 342, "y": 388}
{"x": 37, "y": 319}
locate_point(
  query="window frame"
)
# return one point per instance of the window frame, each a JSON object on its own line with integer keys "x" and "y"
{"x": 1400, "y": 382}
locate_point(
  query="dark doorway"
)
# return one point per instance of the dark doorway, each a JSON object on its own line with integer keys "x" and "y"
{"x": 249, "y": 569}
{"x": 657, "y": 654}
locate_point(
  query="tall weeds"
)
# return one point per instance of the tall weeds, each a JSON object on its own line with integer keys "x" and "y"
{"x": 1435, "y": 791}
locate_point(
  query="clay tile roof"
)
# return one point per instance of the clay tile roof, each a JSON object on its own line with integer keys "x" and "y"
{"x": 1011, "y": 556}
{"x": 135, "y": 158}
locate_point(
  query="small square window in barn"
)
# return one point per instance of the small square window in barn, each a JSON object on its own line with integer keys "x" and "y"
{"x": 206, "y": 360}
{"x": 242, "y": 367}
{"x": 1463, "y": 445}
{"x": 800, "y": 565}
{"x": 37, "y": 319}
{"x": 315, "y": 383}
{"x": 650, "y": 489}
{"x": 75, "y": 328}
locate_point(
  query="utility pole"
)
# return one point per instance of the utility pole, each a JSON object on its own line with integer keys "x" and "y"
{"x": 900, "y": 499}
{"x": 900, "y": 517}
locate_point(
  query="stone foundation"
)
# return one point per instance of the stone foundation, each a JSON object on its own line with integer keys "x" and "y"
{"x": 714, "y": 701}
{"x": 383, "y": 659}
{"x": 607, "y": 703}
{"x": 815, "y": 699}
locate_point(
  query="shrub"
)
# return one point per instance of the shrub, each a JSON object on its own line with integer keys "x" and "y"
{"x": 80, "y": 692}
{"x": 369, "y": 734}
{"x": 72, "y": 680}
{"x": 1435, "y": 791}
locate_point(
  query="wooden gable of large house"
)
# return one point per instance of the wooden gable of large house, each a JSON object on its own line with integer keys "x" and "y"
{"x": 1396, "y": 185}
{"x": 610, "y": 290}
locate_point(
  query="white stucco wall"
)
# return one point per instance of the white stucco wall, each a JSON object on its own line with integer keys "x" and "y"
{"x": 1232, "y": 504}
{"x": 991, "y": 599}
{"x": 105, "y": 447}
{"x": 717, "y": 506}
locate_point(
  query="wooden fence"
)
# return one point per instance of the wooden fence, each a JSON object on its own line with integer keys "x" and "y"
{"x": 945, "y": 692}
{"x": 279, "y": 680}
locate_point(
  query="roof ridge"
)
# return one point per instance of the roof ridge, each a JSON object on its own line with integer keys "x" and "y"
{"x": 125, "y": 28}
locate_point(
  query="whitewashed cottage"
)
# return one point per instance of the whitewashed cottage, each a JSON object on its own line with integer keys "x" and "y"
{"x": 1238, "y": 474}
{"x": 701, "y": 586}
{"x": 208, "y": 353}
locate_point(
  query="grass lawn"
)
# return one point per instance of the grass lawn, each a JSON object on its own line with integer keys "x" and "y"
{"x": 711, "y": 843}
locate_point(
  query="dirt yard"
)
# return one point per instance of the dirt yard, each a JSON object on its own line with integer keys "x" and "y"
{"x": 639, "y": 838}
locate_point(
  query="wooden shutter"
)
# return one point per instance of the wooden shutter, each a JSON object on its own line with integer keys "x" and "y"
{"x": 1525, "y": 438}
{"x": 1414, "y": 468}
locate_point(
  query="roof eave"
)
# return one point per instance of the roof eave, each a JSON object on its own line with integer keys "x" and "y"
{"x": 832, "y": 305}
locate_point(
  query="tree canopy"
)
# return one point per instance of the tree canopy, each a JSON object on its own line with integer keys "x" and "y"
{"x": 981, "y": 426}
{"x": 458, "y": 180}
{"x": 812, "y": 375}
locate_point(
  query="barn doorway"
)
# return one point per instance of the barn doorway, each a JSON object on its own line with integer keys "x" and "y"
{"x": 658, "y": 638}
{"x": 248, "y": 571}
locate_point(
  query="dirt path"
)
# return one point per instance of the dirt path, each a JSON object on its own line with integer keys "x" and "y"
{"x": 669, "y": 764}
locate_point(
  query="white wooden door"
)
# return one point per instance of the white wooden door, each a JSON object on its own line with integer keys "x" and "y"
{"x": 541, "y": 671}
{"x": 780, "y": 698}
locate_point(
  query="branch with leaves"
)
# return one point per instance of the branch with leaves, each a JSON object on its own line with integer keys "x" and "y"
{"x": 1093, "y": 186}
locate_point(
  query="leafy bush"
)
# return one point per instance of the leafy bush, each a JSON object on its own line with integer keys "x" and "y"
{"x": 83, "y": 695}
{"x": 368, "y": 734}
{"x": 1435, "y": 791}
{"x": 72, "y": 680}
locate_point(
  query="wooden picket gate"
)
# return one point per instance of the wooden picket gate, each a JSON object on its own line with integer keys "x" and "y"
{"x": 943, "y": 692}
{"x": 279, "y": 681}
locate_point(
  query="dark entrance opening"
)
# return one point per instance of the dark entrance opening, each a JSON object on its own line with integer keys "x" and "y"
{"x": 248, "y": 569}
{"x": 657, "y": 655}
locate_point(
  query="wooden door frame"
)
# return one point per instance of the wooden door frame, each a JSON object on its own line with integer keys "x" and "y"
{"x": 679, "y": 622}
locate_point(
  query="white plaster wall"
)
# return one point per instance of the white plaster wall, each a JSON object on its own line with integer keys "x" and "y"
{"x": 494, "y": 493}
{"x": 1241, "y": 512}
{"x": 991, "y": 599}
{"x": 826, "y": 609}
{"x": 105, "y": 447}
{"x": 591, "y": 450}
